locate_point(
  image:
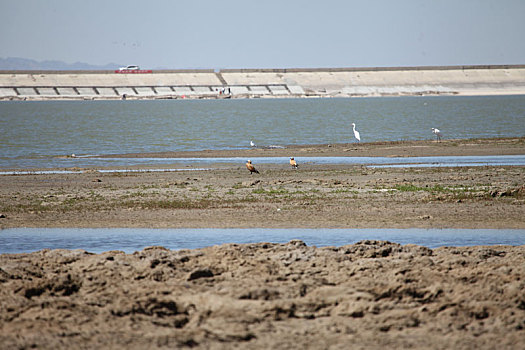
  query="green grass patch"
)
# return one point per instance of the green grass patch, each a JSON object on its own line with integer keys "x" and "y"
{"x": 414, "y": 188}
{"x": 344, "y": 190}
{"x": 170, "y": 204}
{"x": 272, "y": 191}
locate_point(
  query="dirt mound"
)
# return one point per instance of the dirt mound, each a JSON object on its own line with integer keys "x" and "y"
{"x": 372, "y": 294}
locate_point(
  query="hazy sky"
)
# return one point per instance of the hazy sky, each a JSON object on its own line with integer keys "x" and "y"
{"x": 265, "y": 34}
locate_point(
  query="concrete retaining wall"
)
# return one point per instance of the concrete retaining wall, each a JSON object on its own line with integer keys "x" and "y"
{"x": 344, "y": 82}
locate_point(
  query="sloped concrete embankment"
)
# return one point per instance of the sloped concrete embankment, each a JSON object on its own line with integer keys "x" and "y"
{"x": 250, "y": 83}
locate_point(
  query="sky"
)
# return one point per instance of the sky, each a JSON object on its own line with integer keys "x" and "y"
{"x": 265, "y": 34}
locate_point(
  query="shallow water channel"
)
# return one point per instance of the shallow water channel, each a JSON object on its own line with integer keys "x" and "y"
{"x": 129, "y": 240}
{"x": 202, "y": 164}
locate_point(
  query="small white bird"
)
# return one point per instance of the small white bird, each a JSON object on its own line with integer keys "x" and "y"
{"x": 438, "y": 134}
{"x": 252, "y": 144}
{"x": 356, "y": 133}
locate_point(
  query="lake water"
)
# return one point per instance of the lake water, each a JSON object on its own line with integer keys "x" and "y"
{"x": 34, "y": 134}
{"x": 129, "y": 240}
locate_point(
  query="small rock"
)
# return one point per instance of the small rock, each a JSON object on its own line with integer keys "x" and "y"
{"x": 200, "y": 273}
{"x": 297, "y": 243}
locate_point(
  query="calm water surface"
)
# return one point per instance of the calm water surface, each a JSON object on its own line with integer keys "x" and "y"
{"x": 20, "y": 240}
{"x": 33, "y": 134}
{"x": 207, "y": 164}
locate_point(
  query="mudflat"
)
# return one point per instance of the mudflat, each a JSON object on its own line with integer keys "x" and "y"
{"x": 368, "y": 295}
{"x": 312, "y": 196}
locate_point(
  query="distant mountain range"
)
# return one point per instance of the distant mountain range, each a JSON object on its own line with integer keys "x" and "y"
{"x": 17, "y": 63}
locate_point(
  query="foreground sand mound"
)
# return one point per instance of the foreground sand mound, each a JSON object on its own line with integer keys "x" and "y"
{"x": 371, "y": 294}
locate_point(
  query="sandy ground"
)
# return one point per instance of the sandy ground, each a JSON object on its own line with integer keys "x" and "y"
{"x": 370, "y": 295}
{"x": 338, "y": 196}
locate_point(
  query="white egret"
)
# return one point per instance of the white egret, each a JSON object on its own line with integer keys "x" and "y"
{"x": 252, "y": 144}
{"x": 356, "y": 133}
{"x": 438, "y": 134}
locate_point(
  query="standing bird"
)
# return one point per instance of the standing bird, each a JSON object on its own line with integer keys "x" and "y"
{"x": 356, "y": 133}
{"x": 438, "y": 134}
{"x": 250, "y": 167}
{"x": 293, "y": 163}
{"x": 252, "y": 144}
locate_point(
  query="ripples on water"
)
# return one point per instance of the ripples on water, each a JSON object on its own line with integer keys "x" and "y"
{"x": 34, "y": 133}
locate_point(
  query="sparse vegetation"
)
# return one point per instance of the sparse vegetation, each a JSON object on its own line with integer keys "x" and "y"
{"x": 321, "y": 196}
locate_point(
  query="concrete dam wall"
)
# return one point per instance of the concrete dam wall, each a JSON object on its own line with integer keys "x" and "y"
{"x": 252, "y": 83}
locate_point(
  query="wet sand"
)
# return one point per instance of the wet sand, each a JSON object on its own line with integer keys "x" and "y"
{"x": 421, "y": 148}
{"x": 312, "y": 196}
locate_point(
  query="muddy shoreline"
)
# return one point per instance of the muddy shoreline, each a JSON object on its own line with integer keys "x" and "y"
{"x": 420, "y": 148}
{"x": 312, "y": 196}
{"x": 368, "y": 295}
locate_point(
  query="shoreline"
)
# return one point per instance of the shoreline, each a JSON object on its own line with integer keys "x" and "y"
{"x": 473, "y": 93}
{"x": 313, "y": 196}
{"x": 386, "y": 149}
{"x": 412, "y": 148}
